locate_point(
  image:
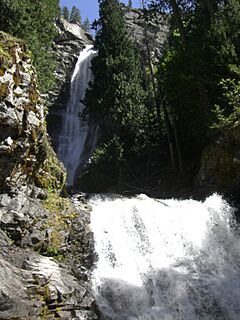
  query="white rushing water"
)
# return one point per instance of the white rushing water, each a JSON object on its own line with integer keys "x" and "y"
{"x": 166, "y": 259}
{"x": 73, "y": 136}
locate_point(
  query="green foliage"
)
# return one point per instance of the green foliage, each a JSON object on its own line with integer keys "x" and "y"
{"x": 65, "y": 13}
{"x": 75, "y": 15}
{"x": 130, "y": 4}
{"x": 33, "y": 21}
{"x": 61, "y": 215}
{"x": 227, "y": 118}
{"x": 106, "y": 167}
{"x": 115, "y": 98}
{"x": 86, "y": 25}
{"x": 203, "y": 48}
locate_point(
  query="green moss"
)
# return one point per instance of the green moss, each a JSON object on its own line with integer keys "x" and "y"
{"x": 4, "y": 56}
{"x": 52, "y": 174}
{"x": 4, "y": 91}
{"x": 8, "y": 45}
{"x": 59, "y": 222}
{"x": 17, "y": 78}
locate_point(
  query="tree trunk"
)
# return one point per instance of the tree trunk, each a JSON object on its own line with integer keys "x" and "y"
{"x": 169, "y": 130}
{"x": 157, "y": 102}
{"x": 178, "y": 147}
{"x": 204, "y": 100}
{"x": 211, "y": 6}
{"x": 178, "y": 18}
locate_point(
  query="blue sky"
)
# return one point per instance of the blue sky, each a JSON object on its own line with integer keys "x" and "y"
{"x": 89, "y": 8}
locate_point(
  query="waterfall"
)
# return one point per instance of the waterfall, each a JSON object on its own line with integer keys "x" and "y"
{"x": 73, "y": 136}
{"x": 166, "y": 259}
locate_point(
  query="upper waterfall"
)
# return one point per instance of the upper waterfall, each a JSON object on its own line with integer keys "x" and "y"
{"x": 73, "y": 136}
{"x": 166, "y": 259}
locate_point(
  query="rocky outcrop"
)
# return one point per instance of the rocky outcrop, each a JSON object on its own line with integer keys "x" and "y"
{"x": 27, "y": 159}
{"x": 148, "y": 29}
{"x": 70, "y": 40}
{"x": 38, "y": 228}
{"x": 220, "y": 165}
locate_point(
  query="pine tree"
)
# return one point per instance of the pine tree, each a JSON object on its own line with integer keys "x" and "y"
{"x": 203, "y": 49}
{"x": 86, "y": 25}
{"x": 65, "y": 13}
{"x": 116, "y": 96}
{"x": 33, "y": 21}
{"x": 115, "y": 100}
{"x": 129, "y": 3}
{"x": 75, "y": 15}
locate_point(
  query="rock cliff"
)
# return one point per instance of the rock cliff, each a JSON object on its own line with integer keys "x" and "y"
{"x": 148, "y": 29}
{"x": 38, "y": 228}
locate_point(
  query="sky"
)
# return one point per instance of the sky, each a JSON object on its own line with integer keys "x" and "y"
{"x": 89, "y": 8}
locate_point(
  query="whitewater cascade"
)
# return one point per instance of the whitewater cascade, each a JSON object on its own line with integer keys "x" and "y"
{"x": 166, "y": 259}
{"x": 74, "y": 137}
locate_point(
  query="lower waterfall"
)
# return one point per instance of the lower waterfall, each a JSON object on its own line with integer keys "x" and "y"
{"x": 165, "y": 259}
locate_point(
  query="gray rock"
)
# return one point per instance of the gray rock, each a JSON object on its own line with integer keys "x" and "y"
{"x": 153, "y": 28}
{"x": 33, "y": 286}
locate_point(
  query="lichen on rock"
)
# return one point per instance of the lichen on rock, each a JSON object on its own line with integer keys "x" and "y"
{"x": 22, "y": 122}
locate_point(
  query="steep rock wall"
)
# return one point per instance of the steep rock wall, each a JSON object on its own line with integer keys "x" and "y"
{"x": 26, "y": 156}
{"x": 36, "y": 224}
{"x": 148, "y": 29}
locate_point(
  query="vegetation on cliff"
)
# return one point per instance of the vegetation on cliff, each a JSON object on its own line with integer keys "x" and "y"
{"x": 33, "y": 21}
{"x": 36, "y": 223}
{"x": 25, "y": 147}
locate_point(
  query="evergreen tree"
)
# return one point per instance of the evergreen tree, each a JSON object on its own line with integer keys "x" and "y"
{"x": 65, "y": 13}
{"x": 202, "y": 50}
{"x": 33, "y": 21}
{"x": 86, "y": 25}
{"x": 75, "y": 15}
{"x": 117, "y": 83}
{"x": 115, "y": 100}
{"x": 130, "y": 4}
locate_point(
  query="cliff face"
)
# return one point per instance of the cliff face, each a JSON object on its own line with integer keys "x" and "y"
{"x": 148, "y": 29}
{"x": 26, "y": 156}
{"x": 71, "y": 39}
{"x": 35, "y": 223}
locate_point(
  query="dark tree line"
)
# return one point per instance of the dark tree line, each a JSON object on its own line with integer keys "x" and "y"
{"x": 161, "y": 115}
{"x": 203, "y": 51}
